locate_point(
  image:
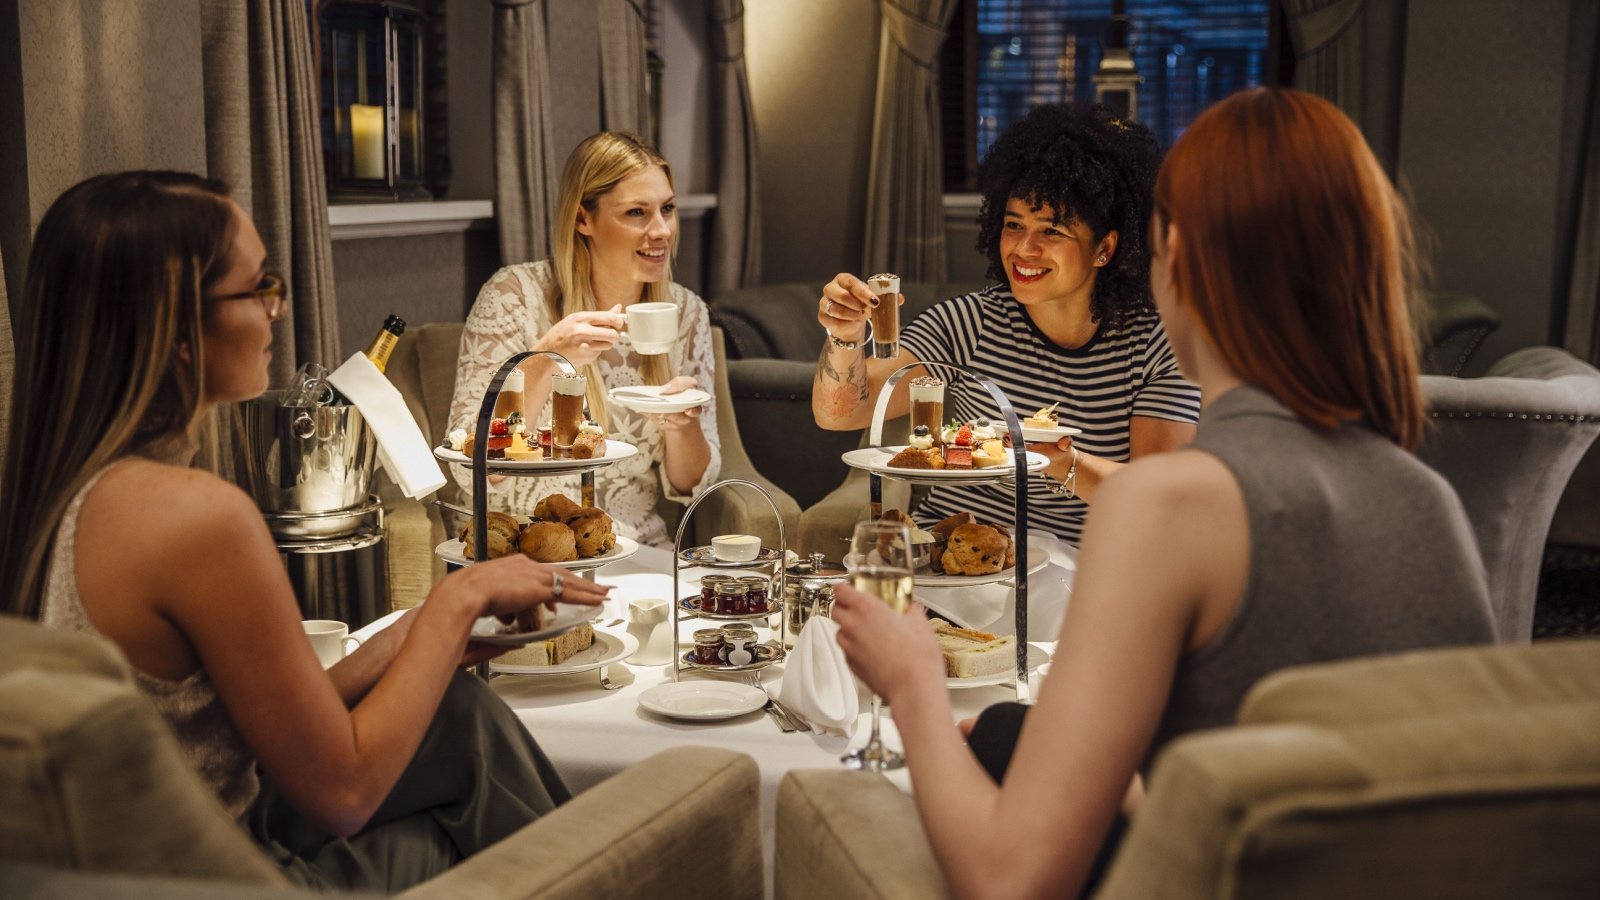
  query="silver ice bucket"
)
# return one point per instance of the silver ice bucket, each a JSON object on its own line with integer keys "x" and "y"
{"x": 300, "y": 463}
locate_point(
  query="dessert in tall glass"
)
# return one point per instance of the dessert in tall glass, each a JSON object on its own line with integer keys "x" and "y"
{"x": 886, "y": 316}
{"x": 927, "y": 405}
{"x": 510, "y": 398}
{"x": 566, "y": 412}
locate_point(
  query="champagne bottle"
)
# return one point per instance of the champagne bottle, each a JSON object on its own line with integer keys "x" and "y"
{"x": 383, "y": 344}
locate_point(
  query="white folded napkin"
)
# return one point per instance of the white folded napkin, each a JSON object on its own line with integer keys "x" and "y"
{"x": 402, "y": 450}
{"x": 817, "y": 683}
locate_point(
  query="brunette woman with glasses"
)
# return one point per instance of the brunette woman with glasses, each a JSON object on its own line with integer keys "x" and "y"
{"x": 147, "y": 305}
{"x": 1297, "y": 527}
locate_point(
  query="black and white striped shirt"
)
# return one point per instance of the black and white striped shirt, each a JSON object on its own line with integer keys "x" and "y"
{"x": 1100, "y": 386}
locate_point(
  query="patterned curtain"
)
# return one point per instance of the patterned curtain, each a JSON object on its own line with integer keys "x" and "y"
{"x": 624, "y": 69}
{"x": 1582, "y": 335}
{"x": 263, "y": 137}
{"x": 905, "y": 212}
{"x": 525, "y": 171}
{"x": 736, "y": 224}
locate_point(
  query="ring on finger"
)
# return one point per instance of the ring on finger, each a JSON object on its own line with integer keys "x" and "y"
{"x": 556, "y": 589}
{"x": 828, "y": 310}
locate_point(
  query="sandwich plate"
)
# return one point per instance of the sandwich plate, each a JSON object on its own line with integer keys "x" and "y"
{"x": 702, "y": 700}
{"x": 453, "y": 551}
{"x": 490, "y": 630}
{"x": 1036, "y": 658}
{"x": 647, "y": 398}
{"x": 876, "y": 459}
{"x": 615, "y": 452}
{"x": 1049, "y": 435}
{"x": 607, "y": 649}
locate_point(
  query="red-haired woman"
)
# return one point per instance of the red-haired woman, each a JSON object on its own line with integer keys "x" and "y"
{"x": 1281, "y": 271}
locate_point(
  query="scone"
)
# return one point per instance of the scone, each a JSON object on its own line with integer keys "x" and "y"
{"x": 549, "y": 542}
{"x": 592, "y": 531}
{"x": 976, "y": 550}
{"x": 556, "y": 508}
{"x": 951, "y": 523}
{"x": 503, "y": 531}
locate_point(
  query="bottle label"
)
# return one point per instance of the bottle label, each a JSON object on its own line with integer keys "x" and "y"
{"x": 382, "y": 346}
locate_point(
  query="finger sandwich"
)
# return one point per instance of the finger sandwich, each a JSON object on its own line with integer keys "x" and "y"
{"x": 969, "y": 653}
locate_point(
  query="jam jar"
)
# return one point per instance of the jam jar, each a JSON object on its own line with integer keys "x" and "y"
{"x": 708, "y": 592}
{"x": 708, "y": 646}
{"x": 756, "y": 590}
{"x": 731, "y": 598}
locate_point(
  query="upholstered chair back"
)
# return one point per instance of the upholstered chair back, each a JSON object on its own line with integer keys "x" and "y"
{"x": 1508, "y": 442}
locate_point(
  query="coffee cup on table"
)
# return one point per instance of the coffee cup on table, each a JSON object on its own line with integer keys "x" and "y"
{"x": 653, "y": 327}
{"x": 329, "y": 638}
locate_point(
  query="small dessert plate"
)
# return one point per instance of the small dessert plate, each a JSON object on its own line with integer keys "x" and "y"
{"x": 647, "y": 398}
{"x": 703, "y": 700}
{"x": 490, "y": 630}
{"x": 1048, "y": 435}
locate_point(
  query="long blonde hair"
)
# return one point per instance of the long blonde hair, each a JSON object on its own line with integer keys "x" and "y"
{"x": 114, "y": 285}
{"x": 594, "y": 169}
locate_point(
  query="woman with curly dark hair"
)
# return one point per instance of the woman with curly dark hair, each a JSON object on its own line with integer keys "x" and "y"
{"x": 1066, "y": 200}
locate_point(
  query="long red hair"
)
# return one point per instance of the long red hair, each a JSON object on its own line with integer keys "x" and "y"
{"x": 1298, "y": 257}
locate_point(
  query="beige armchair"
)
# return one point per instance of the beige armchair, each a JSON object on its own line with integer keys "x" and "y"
{"x": 96, "y": 800}
{"x": 423, "y": 368}
{"x": 1463, "y": 773}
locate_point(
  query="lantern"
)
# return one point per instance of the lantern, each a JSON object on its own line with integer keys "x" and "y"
{"x": 370, "y": 73}
{"x": 1116, "y": 83}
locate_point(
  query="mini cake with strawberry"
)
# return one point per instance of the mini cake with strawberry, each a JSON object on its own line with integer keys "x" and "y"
{"x": 504, "y": 434}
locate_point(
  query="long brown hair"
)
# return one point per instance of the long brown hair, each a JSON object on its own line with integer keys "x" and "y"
{"x": 595, "y": 168}
{"x": 114, "y": 285}
{"x": 1299, "y": 258}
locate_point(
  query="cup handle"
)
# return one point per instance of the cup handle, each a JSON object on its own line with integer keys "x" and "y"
{"x": 349, "y": 649}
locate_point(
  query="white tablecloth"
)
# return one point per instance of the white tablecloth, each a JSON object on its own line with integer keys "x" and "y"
{"x": 591, "y": 734}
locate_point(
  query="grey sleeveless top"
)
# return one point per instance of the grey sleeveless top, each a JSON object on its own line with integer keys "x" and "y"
{"x": 1356, "y": 548}
{"x": 191, "y": 707}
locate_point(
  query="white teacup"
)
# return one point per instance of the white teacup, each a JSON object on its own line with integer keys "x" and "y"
{"x": 653, "y": 327}
{"x": 329, "y": 638}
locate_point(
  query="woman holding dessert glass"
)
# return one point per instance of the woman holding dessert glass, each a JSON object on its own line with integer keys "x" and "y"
{"x": 149, "y": 303}
{"x": 1256, "y": 548}
{"x": 1066, "y": 193}
{"x": 617, "y": 228}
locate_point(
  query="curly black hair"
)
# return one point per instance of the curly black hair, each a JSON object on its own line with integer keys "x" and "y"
{"x": 1086, "y": 164}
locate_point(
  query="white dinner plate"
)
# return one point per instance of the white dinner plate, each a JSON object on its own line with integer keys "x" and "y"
{"x": 702, "y": 699}
{"x": 647, "y": 398}
{"x": 568, "y": 615}
{"x": 1036, "y": 658}
{"x": 616, "y": 451}
{"x": 606, "y": 649}
{"x": 1049, "y": 435}
{"x": 876, "y": 459}
{"x": 453, "y": 551}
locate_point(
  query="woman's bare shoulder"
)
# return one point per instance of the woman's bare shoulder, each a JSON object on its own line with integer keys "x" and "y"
{"x": 152, "y": 502}
{"x": 1172, "y": 490}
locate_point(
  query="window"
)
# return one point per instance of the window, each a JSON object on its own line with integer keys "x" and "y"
{"x": 1004, "y": 57}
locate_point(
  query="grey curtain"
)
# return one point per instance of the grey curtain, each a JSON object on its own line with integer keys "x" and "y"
{"x": 736, "y": 224}
{"x": 263, "y": 137}
{"x": 624, "y": 73}
{"x": 1352, "y": 53}
{"x": 1582, "y": 332}
{"x": 524, "y": 167}
{"x": 905, "y": 214}
{"x": 8, "y": 365}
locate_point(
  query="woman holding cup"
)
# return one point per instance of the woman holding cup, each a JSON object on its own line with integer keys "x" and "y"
{"x": 605, "y": 301}
{"x": 1069, "y": 321}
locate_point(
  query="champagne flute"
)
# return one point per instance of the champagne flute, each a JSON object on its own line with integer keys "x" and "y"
{"x": 881, "y": 552}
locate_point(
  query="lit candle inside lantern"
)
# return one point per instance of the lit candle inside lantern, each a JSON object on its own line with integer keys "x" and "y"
{"x": 366, "y": 136}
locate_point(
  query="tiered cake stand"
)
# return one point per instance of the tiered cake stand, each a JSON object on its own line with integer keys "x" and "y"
{"x": 769, "y": 562}
{"x": 875, "y": 462}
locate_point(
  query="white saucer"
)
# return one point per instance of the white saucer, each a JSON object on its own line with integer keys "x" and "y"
{"x": 702, "y": 700}
{"x": 606, "y": 649}
{"x": 1048, "y": 435}
{"x": 454, "y": 551}
{"x": 647, "y": 398}
{"x": 568, "y": 615}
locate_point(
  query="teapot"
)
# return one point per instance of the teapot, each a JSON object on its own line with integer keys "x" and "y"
{"x": 808, "y": 591}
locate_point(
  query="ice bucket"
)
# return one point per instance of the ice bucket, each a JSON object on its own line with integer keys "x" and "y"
{"x": 303, "y": 460}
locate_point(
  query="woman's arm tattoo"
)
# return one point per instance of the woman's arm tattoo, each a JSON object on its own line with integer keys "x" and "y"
{"x": 841, "y": 394}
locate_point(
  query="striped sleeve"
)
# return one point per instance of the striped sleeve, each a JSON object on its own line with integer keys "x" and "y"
{"x": 1163, "y": 393}
{"x": 945, "y": 332}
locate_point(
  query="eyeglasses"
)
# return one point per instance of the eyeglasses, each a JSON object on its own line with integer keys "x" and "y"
{"x": 271, "y": 291}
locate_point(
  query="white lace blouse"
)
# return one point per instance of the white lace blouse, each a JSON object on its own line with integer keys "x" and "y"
{"x": 509, "y": 317}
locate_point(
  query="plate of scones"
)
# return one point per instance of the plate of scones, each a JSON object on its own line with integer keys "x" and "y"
{"x": 560, "y": 531}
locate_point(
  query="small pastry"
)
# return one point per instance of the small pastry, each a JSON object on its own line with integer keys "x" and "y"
{"x": 976, "y": 549}
{"x": 549, "y": 542}
{"x": 1044, "y": 418}
{"x": 589, "y": 444}
{"x": 958, "y": 450}
{"x": 556, "y": 508}
{"x": 917, "y": 458}
{"x": 988, "y": 454}
{"x": 523, "y": 449}
{"x": 592, "y": 530}
{"x": 502, "y": 532}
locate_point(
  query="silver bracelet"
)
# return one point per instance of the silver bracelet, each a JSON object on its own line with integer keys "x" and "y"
{"x": 1068, "y": 487}
{"x": 843, "y": 344}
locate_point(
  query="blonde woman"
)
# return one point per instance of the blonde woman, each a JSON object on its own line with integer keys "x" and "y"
{"x": 616, "y": 231}
{"x": 148, "y": 303}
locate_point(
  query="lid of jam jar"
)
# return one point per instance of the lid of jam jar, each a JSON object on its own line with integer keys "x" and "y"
{"x": 731, "y": 587}
{"x": 708, "y": 636}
